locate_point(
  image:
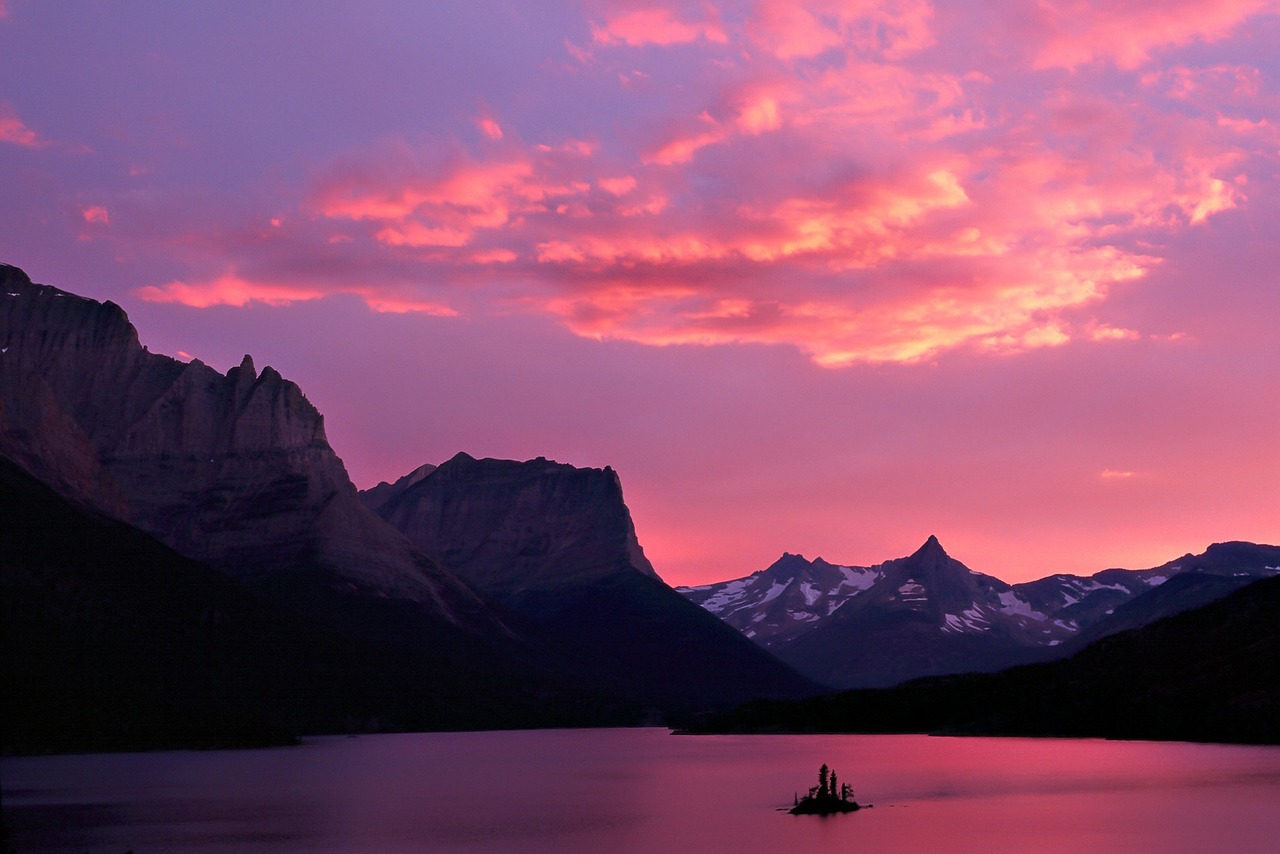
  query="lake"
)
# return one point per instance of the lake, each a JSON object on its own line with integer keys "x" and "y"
{"x": 623, "y": 790}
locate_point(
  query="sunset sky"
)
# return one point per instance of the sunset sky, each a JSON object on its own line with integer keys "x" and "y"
{"x": 822, "y": 277}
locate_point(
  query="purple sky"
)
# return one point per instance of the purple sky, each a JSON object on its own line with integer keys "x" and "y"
{"x": 820, "y": 277}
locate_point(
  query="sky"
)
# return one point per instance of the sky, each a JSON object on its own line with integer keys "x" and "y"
{"x": 816, "y": 277}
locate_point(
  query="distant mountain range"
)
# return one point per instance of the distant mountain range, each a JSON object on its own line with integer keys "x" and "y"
{"x": 928, "y": 614}
{"x": 1207, "y": 674}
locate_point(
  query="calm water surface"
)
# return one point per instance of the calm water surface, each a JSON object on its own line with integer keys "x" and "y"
{"x": 646, "y": 790}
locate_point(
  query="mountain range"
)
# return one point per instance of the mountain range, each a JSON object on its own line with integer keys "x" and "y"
{"x": 928, "y": 614}
{"x": 1206, "y": 674}
{"x": 186, "y": 562}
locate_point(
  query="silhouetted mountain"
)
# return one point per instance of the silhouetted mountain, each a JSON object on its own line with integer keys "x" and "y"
{"x": 376, "y": 496}
{"x": 234, "y": 471}
{"x": 508, "y": 527}
{"x": 231, "y": 470}
{"x": 930, "y": 615}
{"x": 111, "y": 640}
{"x": 1203, "y": 675}
{"x": 557, "y": 544}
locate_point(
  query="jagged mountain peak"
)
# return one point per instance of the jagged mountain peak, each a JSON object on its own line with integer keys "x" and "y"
{"x": 788, "y": 566}
{"x": 783, "y": 601}
{"x": 244, "y": 370}
{"x": 233, "y": 470}
{"x": 459, "y": 459}
{"x": 932, "y": 549}
{"x": 377, "y": 496}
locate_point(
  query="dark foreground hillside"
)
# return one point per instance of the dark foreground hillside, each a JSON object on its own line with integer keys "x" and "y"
{"x": 111, "y": 640}
{"x": 1212, "y": 674}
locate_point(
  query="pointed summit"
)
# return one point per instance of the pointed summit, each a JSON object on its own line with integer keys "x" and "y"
{"x": 789, "y": 566}
{"x": 931, "y": 548}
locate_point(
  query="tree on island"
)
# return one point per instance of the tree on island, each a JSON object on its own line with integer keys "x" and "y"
{"x": 829, "y": 796}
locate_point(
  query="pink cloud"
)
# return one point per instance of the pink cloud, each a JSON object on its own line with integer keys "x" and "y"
{"x": 682, "y": 150}
{"x": 759, "y": 113}
{"x": 226, "y": 290}
{"x": 618, "y": 186}
{"x": 96, "y": 215}
{"x": 416, "y": 234}
{"x": 890, "y": 28}
{"x": 12, "y": 129}
{"x": 1127, "y": 32}
{"x": 1106, "y": 332}
{"x": 447, "y": 206}
{"x": 234, "y": 290}
{"x": 489, "y": 128}
{"x": 655, "y": 26}
{"x": 845, "y": 192}
{"x": 986, "y": 246}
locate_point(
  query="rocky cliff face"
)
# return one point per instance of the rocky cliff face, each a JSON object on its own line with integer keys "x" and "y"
{"x": 233, "y": 470}
{"x": 510, "y": 527}
{"x": 557, "y": 544}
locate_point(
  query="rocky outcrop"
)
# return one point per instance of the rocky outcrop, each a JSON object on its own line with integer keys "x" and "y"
{"x": 510, "y": 527}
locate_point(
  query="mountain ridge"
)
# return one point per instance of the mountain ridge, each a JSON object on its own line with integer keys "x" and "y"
{"x": 927, "y": 614}
{"x": 1207, "y": 674}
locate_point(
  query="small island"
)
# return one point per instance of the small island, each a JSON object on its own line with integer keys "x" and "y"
{"x": 828, "y": 797}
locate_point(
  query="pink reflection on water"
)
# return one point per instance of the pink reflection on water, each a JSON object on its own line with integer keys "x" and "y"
{"x": 645, "y": 790}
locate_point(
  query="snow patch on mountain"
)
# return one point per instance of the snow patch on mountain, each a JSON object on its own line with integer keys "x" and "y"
{"x": 913, "y": 591}
{"x": 858, "y": 577}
